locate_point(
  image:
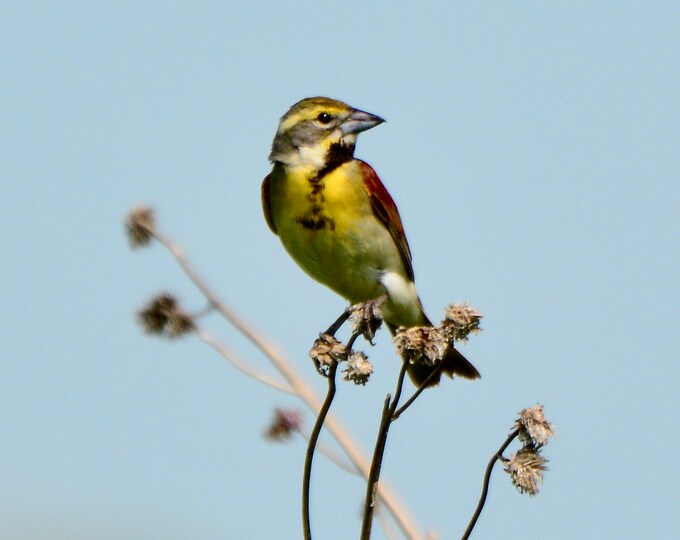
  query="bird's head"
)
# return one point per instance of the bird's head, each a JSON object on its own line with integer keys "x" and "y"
{"x": 316, "y": 129}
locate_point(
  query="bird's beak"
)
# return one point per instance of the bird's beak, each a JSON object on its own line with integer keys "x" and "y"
{"x": 359, "y": 121}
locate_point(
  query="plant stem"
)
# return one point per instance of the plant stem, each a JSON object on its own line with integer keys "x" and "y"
{"x": 485, "y": 484}
{"x": 333, "y": 328}
{"x": 389, "y": 407}
{"x": 420, "y": 389}
{"x": 309, "y": 457}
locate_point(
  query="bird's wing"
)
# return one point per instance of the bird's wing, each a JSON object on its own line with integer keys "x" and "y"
{"x": 386, "y": 211}
{"x": 266, "y": 203}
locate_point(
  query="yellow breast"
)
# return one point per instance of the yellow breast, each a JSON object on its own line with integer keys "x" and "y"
{"x": 329, "y": 228}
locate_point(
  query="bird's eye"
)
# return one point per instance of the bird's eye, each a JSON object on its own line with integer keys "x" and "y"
{"x": 324, "y": 118}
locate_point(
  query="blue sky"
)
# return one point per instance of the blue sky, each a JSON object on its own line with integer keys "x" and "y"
{"x": 533, "y": 151}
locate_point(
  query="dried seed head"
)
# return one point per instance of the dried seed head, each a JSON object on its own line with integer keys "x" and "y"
{"x": 533, "y": 427}
{"x": 139, "y": 225}
{"x": 526, "y": 469}
{"x": 422, "y": 344}
{"x": 180, "y": 324}
{"x": 460, "y": 321}
{"x": 283, "y": 425}
{"x": 327, "y": 350}
{"x": 359, "y": 369}
{"x": 163, "y": 316}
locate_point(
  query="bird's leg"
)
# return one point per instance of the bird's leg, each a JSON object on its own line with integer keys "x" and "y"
{"x": 366, "y": 317}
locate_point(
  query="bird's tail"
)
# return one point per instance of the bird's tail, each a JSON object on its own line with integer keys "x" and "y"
{"x": 454, "y": 364}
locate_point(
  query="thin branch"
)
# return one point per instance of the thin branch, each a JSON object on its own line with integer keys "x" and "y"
{"x": 400, "y": 386}
{"x": 342, "y": 319}
{"x": 437, "y": 370}
{"x": 239, "y": 364}
{"x": 339, "y": 433}
{"x": 351, "y": 340}
{"x": 376, "y": 464}
{"x": 372, "y": 484}
{"x": 321, "y": 418}
{"x": 309, "y": 456}
{"x": 485, "y": 484}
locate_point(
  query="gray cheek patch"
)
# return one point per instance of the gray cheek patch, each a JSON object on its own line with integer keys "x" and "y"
{"x": 306, "y": 134}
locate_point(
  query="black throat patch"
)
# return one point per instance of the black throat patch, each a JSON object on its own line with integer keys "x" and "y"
{"x": 315, "y": 219}
{"x": 338, "y": 153}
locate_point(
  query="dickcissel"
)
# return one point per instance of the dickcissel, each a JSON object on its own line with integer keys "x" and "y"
{"x": 338, "y": 222}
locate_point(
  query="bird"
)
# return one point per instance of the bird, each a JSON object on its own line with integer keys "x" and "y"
{"x": 338, "y": 222}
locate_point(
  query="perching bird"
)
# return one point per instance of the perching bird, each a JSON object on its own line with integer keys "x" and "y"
{"x": 338, "y": 222}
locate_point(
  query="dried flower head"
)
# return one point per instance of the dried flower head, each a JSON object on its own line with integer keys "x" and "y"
{"x": 180, "y": 324}
{"x": 366, "y": 318}
{"x": 163, "y": 316}
{"x": 283, "y": 425}
{"x": 327, "y": 350}
{"x": 359, "y": 369}
{"x": 533, "y": 427}
{"x": 139, "y": 225}
{"x": 422, "y": 344}
{"x": 460, "y": 321}
{"x": 526, "y": 469}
